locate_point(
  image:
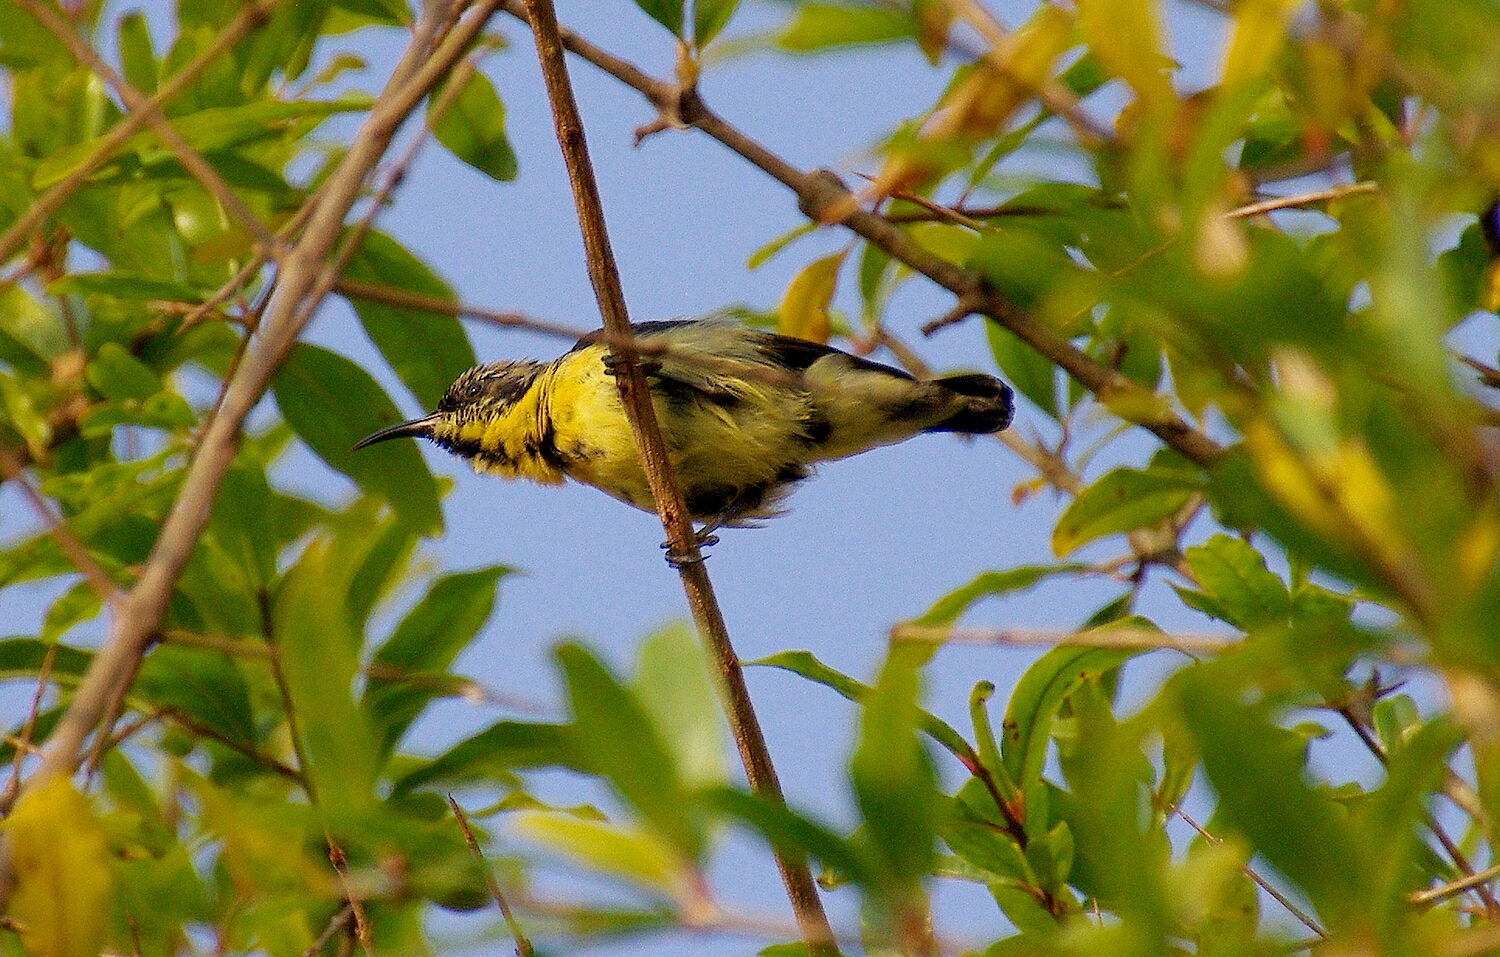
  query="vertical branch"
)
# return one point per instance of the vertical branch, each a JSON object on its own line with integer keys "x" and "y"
{"x": 636, "y": 398}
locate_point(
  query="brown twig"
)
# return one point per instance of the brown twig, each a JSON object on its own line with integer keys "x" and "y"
{"x": 337, "y": 923}
{"x": 674, "y": 516}
{"x": 821, "y": 193}
{"x": 1489, "y": 375}
{"x": 239, "y": 747}
{"x": 45, "y": 205}
{"x": 1303, "y": 199}
{"x": 523, "y": 945}
{"x": 1433, "y": 895}
{"x": 340, "y": 863}
{"x": 1261, "y": 882}
{"x": 375, "y": 292}
{"x": 13, "y": 784}
{"x": 77, "y": 552}
{"x": 1108, "y": 636}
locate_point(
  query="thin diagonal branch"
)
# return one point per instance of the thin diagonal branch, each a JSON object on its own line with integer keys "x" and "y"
{"x": 43, "y": 677}
{"x": 1264, "y": 884}
{"x": 636, "y": 399}
{"x": 48, "y": 203}
{"x": 523, "y": 944}
{"x": 78, "y": 554}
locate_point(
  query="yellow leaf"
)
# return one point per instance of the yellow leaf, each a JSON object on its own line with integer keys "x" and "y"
{"x": 635, "y": 856}
{"x": 804, "y": 308}
{"x": 1259, "y": 31}
{"x": 1126, "y": 35}
{"x": 979, "y": 106}
{"x": 62, "y": 872}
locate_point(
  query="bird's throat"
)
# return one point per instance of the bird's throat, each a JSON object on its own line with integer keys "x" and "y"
{"x": 513, "y": 441}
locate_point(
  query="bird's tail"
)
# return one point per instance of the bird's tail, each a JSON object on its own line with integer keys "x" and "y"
{"x": 988, "y": 407}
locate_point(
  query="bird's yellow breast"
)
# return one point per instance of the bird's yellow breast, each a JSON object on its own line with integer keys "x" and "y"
{"x": 745, "y": 440}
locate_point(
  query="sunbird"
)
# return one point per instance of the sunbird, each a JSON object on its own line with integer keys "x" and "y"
{"x": 744, "y": 413}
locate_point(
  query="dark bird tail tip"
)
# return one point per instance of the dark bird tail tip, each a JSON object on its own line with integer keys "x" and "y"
{"x": 990, "y": 408}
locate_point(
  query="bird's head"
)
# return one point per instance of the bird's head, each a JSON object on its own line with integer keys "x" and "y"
{"x": 481, "y": 396}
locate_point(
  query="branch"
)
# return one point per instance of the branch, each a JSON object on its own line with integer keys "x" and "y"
{"x": 375, "y": 292}
{"x": 1303, "y": 199}
{"x": 12, "y": 469}
{"x": 636, "y": 398}
{"x": 45, "y": 205}
{"x": 1264, "y": 885}
{"x": 140, "y": 613}
{"x": 523, "y": 944}
{"x": 822, "y": 197}
{"x": 28, "y": 728}
{"x": 1104, "y": 637}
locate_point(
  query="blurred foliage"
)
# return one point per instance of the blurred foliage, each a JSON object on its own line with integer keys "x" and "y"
{"x": 1339, "y": 345}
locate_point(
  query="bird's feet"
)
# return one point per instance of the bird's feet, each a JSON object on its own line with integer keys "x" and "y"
{"x": 678, "y": 558}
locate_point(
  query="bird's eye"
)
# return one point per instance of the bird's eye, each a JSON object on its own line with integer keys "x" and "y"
{"x": 473, "y": 389}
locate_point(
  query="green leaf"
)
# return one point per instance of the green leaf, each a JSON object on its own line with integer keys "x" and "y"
{"x": 427, "y": 350}
{"x": 947, "y": 609}
{"x": 284, "y": 44}
{"x": 709, "y": 17}
{"x": 669, "y": 13}
{"x": 1235, "y": 576}
{"x": 616, "y": 739}
{"x": 123, "y": 285}
{"x": 319, "y": 657}
{"x": 767, "y": 252}
{"x": 205, "y": 687}
{"x": 892, "y": 775}
{"x": 640, "y": 857}
{"x": 31, "y": 336}
{"x": 118, "y": 375}
{"x": 209, "y": 130}
{"x": 1037, "y": 698}
{"x": 137, "y": 58}
{"x": 331, "y": 404}
{"x": 1032, "y": 373}
{"x": 473, "y": 129}
{"x": 22, "y": 658}
{"x": 791, "y": 833}
{"x": 238, "y": 519}
{"x": 673, "y": 683}
{"x": 496, "y": 750}
{"x": 76, "y": 605}
{"x": 804, "y": 663}
{"x": 386, "y": 553}
{"x": 427, "y": 640}
{"x": 978, "y": 839}
{"x": 1123, "y": 501}
{"x": 823, "y": 26}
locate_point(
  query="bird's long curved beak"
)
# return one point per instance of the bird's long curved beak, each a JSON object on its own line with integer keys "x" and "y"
{"x": 416, "y": 428}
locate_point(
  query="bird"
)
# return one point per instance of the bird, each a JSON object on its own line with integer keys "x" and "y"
{"x": 745, "y": 414}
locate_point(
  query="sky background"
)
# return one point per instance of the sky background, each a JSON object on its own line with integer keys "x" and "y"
{"x": 868, "y": 542}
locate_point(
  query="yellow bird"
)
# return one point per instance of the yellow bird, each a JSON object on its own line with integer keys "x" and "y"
{"x": 744, "y": 414}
